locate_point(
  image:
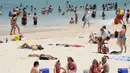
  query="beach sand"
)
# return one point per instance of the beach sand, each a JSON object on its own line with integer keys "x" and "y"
{"x": 14, "y": 60}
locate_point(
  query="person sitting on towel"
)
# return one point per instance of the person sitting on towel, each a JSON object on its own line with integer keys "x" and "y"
{"x": 33, "y": 47}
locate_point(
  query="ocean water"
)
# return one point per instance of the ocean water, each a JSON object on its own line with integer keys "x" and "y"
{"x": 55, "y": 18}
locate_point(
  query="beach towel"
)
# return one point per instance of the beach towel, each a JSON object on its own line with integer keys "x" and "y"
{"x": 115, "y": 52}
{"x": 122, "y": 58}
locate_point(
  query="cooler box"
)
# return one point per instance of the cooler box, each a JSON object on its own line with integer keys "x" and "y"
{"x": 122, "y": 70}
{"x": 45, "y": 70}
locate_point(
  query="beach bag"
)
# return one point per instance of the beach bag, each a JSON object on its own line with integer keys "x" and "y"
{"x": 43, "y": 57}
{"x": 116, "y": 21}
{"x": 83, "y": 18}
{"x": 105, "y": 50}
{"x": 17, "y": 38}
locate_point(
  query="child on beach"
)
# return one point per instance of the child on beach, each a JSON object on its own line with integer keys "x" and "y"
{"x": 71, "y": 65}
{"x": 58, "y": 68}
{"x": 71, "y": 21}
{"x": 35, "y": 19}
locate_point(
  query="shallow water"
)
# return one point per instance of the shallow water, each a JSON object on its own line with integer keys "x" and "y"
{"x": 55, "y": 18}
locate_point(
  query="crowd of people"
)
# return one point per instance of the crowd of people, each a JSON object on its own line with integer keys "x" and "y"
{"x": 105, "y": 35}
{"x": 96, "y": 67}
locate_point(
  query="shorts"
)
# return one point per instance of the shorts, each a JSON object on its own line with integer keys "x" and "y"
{"x": 120, "y": 16}
{"x": 35, "y": 22}
{"x": 86, "y": 21}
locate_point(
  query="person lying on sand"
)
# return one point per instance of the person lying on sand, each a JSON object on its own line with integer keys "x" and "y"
{"x": 33, "y": 47}
{"x": 43, "y": 56}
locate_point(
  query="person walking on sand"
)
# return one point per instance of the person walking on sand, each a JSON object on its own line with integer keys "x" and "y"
{"x": 14, "y": 24}
{"x": 35, "y": 19}
{"x": 122, "y": 36}
{"x": 87, "y": 17}
{"x": 35, "y": 68}
{"x": 76, "y": 17}
{"x": 58, "y": 68}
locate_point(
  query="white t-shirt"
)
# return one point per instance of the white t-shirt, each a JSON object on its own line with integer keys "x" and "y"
{"x": 87, "y": 14}
{"x": 106, "y": 33}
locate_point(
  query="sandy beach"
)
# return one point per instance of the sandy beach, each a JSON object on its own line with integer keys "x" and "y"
{"x": 16, "y": 60}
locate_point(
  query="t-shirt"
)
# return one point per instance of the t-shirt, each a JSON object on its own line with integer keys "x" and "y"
{"x": 106, "y": 33}
{"x": 87, "y": 14}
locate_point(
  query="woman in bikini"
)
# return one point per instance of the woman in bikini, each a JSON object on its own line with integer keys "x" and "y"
{"x": 14, "y": 24}
{"x": 58, "y": 68}
{"x": 122, "y": 36}
{"x": 127, "y": 15}
{"x": 71, "y": 66}
{"x": 95, "y": 67}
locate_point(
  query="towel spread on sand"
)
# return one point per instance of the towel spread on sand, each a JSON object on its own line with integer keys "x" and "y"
{"x": 122, "y": 58}
{"x": 68, "y": 45}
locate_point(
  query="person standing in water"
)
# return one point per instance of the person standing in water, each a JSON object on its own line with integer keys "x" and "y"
{"x": 35, "y": 19}
{"x": 14, "y": 24}
{"x": 127, "y": 15}
{"x": 122, "y": 36}
{"x": 87, "y": 17}
{"x": 76, "y": 17}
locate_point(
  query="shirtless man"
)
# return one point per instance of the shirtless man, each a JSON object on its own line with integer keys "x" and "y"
{"x": 35, "y": 68}
{"x": 105, "y": 66}
{"x": 14, "y": 24}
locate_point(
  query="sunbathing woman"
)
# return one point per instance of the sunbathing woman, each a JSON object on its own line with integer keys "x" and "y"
{"x": 58, "y": 68}
{"x": 71, "y": 66}
{"x": 33, "y": 47}
{"x": 43, "y": 56}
